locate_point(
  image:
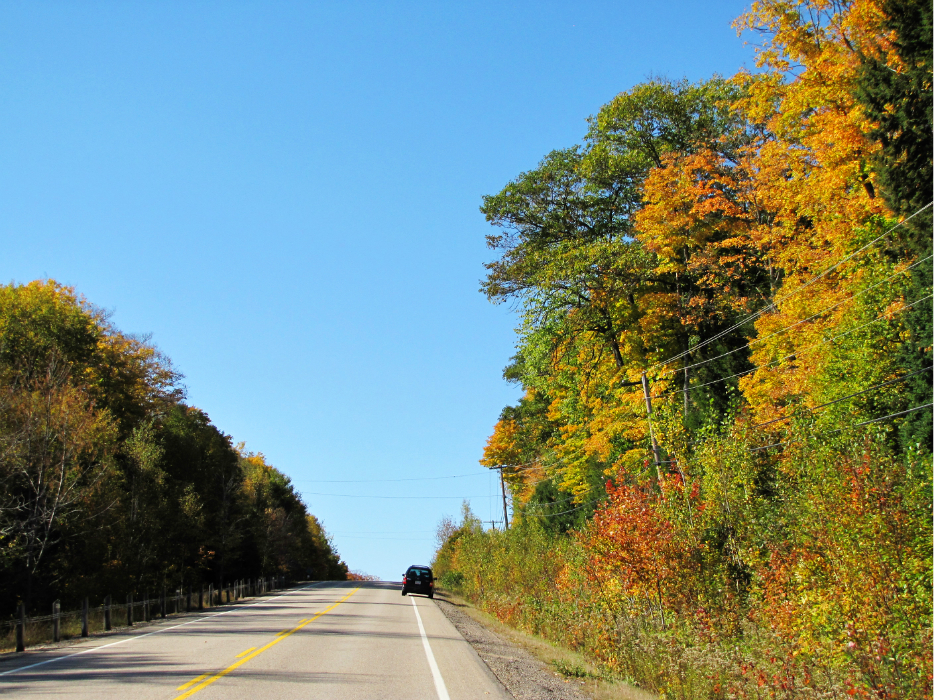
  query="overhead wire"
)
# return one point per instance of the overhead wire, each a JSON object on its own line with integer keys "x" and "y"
{"x": 773, "y": 305}
{"x": 839, "y": 430}
{"x": 883, "y": 315}
{"x": 542, "y": 504}
{"x": 357, "y": 495}
{"x": 828, "y": 403}
{"x": 381, "y": 481}
{"x": 414, "y": 478}
{"x": 805, "y": 320}
{"x": 564, "y": 512}
{"x": 824, "y": 405}
{"x": 848, "y": 396}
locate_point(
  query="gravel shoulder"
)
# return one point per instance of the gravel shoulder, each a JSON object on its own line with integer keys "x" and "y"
{"x": 528, "y": 666}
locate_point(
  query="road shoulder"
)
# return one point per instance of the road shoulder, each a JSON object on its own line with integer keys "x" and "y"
{"x": 527, "y": 665}
{"x": 524, "y": 676}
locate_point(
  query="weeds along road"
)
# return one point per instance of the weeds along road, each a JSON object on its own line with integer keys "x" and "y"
{"x": 331, "y": 640}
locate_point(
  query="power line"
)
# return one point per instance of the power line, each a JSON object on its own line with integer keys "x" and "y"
{"x": 382, "y": 532}
{"x": 777, "y": 300}
{"x": 519, "y": 467}
{"x": 805, "y": 320}
{"x": 357, "y": 495}
{"x": 883, "y": 315}
{"x": 385, "y": 539}
{"x": 838, "y": 430}
{"x": 564, "y": 512}
{"x": 381, "y": 481}
{"x": 542, "y": 504}
{"x": 848, "y": 396}
{"x": 828, "y": 403}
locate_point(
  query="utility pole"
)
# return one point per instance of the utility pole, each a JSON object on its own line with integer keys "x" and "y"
{"x": 502, "y": 484}
{"x": 648, "y": 410}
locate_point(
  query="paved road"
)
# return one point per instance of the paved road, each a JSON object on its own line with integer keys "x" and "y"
{"x": 336, "y": 640}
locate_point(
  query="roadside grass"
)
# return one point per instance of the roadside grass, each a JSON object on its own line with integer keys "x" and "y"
{"x": 559, "y": 660}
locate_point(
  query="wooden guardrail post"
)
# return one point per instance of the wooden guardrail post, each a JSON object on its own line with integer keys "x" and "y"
{"x": 84, "y": 617}
{"x": 201, "y": 598}
{"x": 21, "y": 627}
{"x": 188, "y": 600}
{"x": 129, "y": 610}
{"x": 162, "y": 604}
{"x": 107, "y": 626}
{"x": 146, "y": 617}
{"x": 57, "y": 621}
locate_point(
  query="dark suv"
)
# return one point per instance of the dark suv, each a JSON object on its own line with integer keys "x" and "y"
{"x": 418, "y": 579}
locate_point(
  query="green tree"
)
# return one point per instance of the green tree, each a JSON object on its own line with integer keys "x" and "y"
{"x": 895, "y": 89}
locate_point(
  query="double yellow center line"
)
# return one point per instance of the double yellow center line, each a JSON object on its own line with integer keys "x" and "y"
{"x": 204, "y": 680}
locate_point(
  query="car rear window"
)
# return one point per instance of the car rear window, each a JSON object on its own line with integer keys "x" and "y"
{"x": 416, "y": 573}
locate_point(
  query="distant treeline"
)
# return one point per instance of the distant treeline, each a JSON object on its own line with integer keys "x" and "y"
{"x": 111, "y": 484}
{"x": 753, "y": 255}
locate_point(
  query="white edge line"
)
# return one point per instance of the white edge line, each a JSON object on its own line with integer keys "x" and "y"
{"x": 159, "y": 631}
{"x": 435, "y": 673}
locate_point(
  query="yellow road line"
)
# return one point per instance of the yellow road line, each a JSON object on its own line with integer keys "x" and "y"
{"x": 279, "y": 637}
{"x": 244, "y": 653}
{"x": 191, "y": 683}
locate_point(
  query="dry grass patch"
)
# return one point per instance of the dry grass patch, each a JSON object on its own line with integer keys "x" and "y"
{"x": 561, "y": 661}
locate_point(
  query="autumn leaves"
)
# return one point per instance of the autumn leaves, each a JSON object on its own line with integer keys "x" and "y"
{"x": 110, "y": 482}
{"x": 746, "y": 244}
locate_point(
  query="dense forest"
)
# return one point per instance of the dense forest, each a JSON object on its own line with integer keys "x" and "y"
{"x": 721, "y": 466}
{"x": 111, "y": 484}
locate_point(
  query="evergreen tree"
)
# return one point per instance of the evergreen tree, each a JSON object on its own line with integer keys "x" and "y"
{"x": 899, "y": 98}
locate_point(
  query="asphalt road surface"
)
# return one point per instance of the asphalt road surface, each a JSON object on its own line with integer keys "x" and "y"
{"x": 332, "y": 640}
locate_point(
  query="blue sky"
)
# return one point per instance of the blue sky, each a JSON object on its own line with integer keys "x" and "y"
{"x": 285, "y": 195}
